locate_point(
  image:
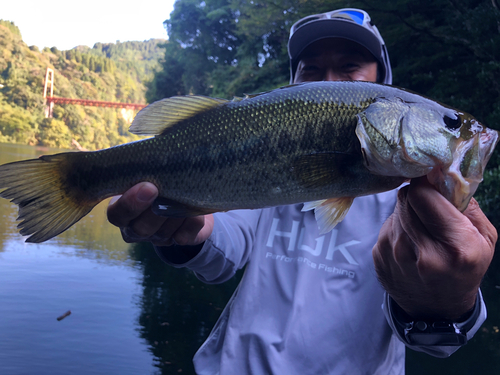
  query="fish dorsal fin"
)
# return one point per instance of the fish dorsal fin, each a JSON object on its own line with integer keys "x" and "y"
{"x": 329, "y": 212}
{"x": 163, "y": 114}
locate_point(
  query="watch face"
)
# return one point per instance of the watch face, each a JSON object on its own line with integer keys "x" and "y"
{"x": 436, "y": 338}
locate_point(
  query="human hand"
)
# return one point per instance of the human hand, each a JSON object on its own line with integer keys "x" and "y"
{"x": 132, "y": 213}
{"x": 430, "y": 257}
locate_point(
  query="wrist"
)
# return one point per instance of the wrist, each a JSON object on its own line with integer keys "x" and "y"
{"x": 451, "y": 306}
{"x": 429, "y": 332}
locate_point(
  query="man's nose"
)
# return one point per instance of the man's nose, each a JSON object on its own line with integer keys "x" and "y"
{"x": 333, "y": 75}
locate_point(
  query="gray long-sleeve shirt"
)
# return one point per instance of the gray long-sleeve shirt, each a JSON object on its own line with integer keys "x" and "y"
{"x": 307, "y": 303}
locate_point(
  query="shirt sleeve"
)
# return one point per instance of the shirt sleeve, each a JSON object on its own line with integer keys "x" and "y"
{"x": 225, "y": 251}
{"x": 436, "y": 351}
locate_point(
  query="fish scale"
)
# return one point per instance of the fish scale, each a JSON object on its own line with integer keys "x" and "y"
{"x": 325, "y": 142}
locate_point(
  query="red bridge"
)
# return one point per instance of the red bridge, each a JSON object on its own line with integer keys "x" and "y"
{"x": 93, "y": 103}
{"x": 51, "y": 100}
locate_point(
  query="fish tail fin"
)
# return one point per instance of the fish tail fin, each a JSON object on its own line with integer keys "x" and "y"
{"x": 48, "y": 205}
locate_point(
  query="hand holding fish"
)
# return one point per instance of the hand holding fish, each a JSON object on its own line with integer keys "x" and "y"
{"x": 430, "y": 257}
{"x": 132, "y": 214}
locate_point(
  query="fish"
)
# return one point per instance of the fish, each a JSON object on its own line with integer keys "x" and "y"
{"x": 322, "y": 143}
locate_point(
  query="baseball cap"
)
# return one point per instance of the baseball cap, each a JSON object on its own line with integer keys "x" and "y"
{"x": 348, "y": 23}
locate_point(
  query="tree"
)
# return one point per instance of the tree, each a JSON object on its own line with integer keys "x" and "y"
{"x": 454, "y": 55}
{"x": 168, "y": 80}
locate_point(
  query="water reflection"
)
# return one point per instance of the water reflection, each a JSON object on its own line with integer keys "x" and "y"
{"x": 177, "y": 310}
{"x": 38, "y": 283}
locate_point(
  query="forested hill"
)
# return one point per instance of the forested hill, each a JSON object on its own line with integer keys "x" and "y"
{"x": 115, "y": 72}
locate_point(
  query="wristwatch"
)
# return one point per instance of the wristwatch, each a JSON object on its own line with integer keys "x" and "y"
{"x": 434, "y": 333}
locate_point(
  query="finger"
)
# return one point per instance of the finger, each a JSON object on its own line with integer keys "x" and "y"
{"x": 189, "y": 232}
{"x": 443, "y": 243}
{"x": 411, "y": 243}
{"x": 481, "y": 222}
{"x": 185, "y": 231}
{"x": 146, "y": 224}
{"x": 443, "y": 222}
{"x": 161, "y": 231}
{"x": 151, "y": 232}
{"x": 408, "y": 218}
{"x": 129, "y": 236}
{"x": 394, "y": 248}
{"x": 131, "y": 204}
{"x": 164, "y": 235}
{"x": 432, "y": 212}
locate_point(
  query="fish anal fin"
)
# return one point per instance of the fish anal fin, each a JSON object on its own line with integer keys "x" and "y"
{"x": 163, "y": 114}
{"x": 329, "y": 212}
{"x": 171, "y": 208}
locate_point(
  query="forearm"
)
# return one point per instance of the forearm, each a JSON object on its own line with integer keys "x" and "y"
{"x": 223, "y": 253}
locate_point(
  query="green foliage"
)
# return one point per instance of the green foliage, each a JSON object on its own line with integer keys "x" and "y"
{"x": 94, "y": 63}
{"x": 17, "y": 125}
{"x": 11, "y": 26}
{"x": 54, "y": 133}
{"x": 454, "y": 55}
{"x": 169, "y": 80}
{"x": 109, "y": 72}
{"x": 229, "y": 47}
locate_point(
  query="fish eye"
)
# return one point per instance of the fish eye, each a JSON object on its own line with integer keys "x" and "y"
{"x": 452, "y": 123}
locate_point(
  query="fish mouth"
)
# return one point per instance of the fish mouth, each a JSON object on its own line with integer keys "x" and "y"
{"x": 488, "y": 140}
{"x": 459, "y": 181}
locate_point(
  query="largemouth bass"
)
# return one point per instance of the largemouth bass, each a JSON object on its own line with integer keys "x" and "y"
{"x": 319, "y": 142}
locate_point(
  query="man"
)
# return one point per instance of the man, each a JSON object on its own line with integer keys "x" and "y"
{"x": 311, "y": 303}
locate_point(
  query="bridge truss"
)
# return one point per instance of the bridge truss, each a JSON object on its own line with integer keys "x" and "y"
{"x": 51, "y": 100}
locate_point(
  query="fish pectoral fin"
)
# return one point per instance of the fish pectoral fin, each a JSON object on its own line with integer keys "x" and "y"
{"x": 160, "y": 116}
{"x": 171, "y": 208}
{"x": 329, "y": 212}
{"x": 320, "y": 169}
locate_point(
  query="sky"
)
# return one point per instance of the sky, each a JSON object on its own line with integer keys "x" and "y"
{"x": 66, "y": 24}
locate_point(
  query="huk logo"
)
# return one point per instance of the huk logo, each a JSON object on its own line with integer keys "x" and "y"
{"x": 296, "y": 237}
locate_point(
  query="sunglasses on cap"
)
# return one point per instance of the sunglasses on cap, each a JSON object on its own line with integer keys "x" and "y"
{"x": 350, "y": 14}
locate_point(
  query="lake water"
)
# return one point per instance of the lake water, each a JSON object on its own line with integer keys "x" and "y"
{"x": 130, "y": 313}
